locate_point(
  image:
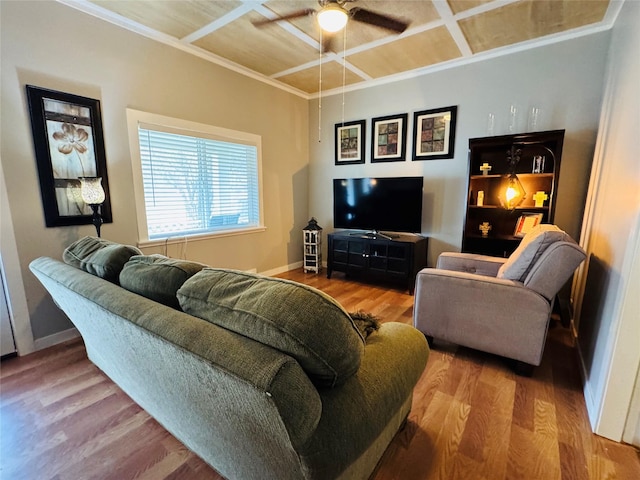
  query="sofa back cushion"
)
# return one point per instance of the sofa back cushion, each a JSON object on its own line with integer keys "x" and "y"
{"x": 298, "y": 320}
{"x": 99, "y": 257}
{"x": 531, "y": 247}
{"x": 157, "y": 277}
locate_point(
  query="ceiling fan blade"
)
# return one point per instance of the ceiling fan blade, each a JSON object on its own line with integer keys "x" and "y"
{"x": 378, "y": 20}
{"x": 288, "y": 16}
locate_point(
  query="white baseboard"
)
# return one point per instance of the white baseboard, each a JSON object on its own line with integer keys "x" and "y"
{"x": 593, "y": 412}
{"x": 51, "y": 340}
{"x": 587, "y": 390}
{"x": 286, "y": 268}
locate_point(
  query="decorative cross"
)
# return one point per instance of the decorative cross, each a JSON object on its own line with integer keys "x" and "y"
{"x": 485, "y": 168}
{"x": 539, "y": 198}
{"x": 484, "y": 228}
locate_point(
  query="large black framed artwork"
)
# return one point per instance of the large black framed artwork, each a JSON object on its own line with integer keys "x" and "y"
{"x": 68, "y": 142}
{"x": 434, "y": 133}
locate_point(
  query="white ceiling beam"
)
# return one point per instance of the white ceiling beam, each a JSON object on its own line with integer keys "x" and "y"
{"x": 289, "y": 27}
{"x": 485, "y": 7}
{"x": 454, "y": 29}
{"x": 234, "y": 14}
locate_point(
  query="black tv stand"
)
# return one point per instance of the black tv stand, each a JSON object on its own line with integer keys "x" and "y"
{"x": 370, "y": 255}
{"x": 376, "y": 234}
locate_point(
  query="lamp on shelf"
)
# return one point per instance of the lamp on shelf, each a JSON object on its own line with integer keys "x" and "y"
{"x": 332, "y": 18}
{"x": 93, "y": 195}
{"x": 511, "y": 193}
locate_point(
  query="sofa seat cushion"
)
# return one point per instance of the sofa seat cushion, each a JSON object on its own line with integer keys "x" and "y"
{"x": 157, "y": 277}
{"x": 298, "y": 320}
{"x": 519, "y": 264}
{"x": 99, "y": 257}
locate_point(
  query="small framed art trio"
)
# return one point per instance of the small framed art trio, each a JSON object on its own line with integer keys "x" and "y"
{"x": 433, "y": 137}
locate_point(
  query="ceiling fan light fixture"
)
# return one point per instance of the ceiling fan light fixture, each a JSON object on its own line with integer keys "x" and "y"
{"x": 332, "y": 18}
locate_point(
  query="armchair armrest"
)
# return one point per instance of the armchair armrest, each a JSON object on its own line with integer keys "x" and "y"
{"x": 490, "y": 314}
{"x": 470, "y": 263}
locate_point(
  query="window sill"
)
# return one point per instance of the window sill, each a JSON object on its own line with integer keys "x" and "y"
{"x": 196, "y": 238}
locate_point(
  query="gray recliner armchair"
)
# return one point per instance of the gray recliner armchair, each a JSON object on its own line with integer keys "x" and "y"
{"x": 498, "y": 305}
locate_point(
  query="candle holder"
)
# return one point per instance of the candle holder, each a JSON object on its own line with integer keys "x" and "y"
{"x": 93, "y": 195}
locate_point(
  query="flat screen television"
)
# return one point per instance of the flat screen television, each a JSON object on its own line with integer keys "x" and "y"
{"x": 383, "y": 204}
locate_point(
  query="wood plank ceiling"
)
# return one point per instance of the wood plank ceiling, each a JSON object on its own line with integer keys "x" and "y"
{"x": 440, "y": 33}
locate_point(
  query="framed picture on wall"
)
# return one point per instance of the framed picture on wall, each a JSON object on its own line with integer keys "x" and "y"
{"x": 434, "y": 133}
{"x": 349, "y": 146}
{"x": 68, "y": 141}
{"x": 388, "y": 138}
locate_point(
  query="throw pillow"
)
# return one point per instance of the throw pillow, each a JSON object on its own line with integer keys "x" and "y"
{"x": 157, "y": 277}
{"x": 519, "y": 264}
{"x": 298, "y": 320}
{"x": 99, "y": 257}
{"x": 365, "y": 322}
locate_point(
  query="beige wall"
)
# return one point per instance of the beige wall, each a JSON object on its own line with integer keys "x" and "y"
{"x": 53, "y": 46}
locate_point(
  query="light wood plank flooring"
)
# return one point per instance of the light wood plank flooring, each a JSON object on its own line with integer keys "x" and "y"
{"x": 472, "y": 418}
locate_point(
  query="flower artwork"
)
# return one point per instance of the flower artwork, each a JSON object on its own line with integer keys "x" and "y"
{"x": 71, "y": 150}
{"x": 71, "y": 138}
{"x": 68, "y": 142}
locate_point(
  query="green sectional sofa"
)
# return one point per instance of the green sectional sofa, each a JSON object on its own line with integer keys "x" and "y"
{"x": 263, "y": 378}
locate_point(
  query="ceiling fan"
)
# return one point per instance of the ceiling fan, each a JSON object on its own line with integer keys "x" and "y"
{"x": 333, "y": 16}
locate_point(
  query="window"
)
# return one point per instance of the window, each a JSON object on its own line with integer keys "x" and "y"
{"x": 194, "y": 179}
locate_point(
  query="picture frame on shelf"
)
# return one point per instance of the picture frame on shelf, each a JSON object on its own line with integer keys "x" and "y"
{"x": 526, "y": 222}
{"x": 388, "y": 138}
{"x": 349, "y": 142}
{"x": 68, "y": 143}
{"x": 434, "y": 133}
{"x": 538, "y": 164}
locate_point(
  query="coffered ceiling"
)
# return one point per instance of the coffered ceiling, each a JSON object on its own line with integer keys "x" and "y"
{"x": 441, "y": 33}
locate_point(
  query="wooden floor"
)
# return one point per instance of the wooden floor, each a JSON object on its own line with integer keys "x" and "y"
{"x": 472, "y": 418}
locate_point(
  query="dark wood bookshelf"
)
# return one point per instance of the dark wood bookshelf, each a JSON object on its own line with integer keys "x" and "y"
{"x": 493, "y": 151}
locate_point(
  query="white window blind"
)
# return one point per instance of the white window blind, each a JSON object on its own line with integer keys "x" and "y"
{"x": 194, "y": 184}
